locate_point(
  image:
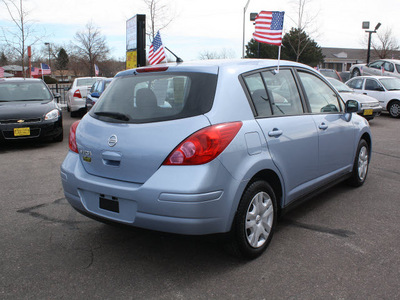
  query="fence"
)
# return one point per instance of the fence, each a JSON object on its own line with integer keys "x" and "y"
{"x": 60, "y": 88}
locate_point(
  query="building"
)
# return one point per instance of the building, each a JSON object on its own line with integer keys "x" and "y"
{"x": 341, "y": 59}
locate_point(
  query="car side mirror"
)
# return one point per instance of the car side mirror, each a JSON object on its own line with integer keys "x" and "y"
{"x": 95, "y": 95}
{"x": 351, "y": 106}
{"x": 380, "y": 89}
{"x": 57, "y": 95}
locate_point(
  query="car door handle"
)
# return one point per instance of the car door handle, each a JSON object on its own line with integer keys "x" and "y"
{"x": 365, "y": 94}
{"x": 323, "y": 126}
{"x": 275, "y": 132}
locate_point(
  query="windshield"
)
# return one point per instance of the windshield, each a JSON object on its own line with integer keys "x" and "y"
{"x": 340, "y": 86}
{"x": 156, "y": 97}
{"x": 86, "y": 81}
{"x": 391, "y": 84}
{"x": 24, "y": 91}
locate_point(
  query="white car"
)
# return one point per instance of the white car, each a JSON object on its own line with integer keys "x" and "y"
{"x": 382, "y": 67}
{"x": 76, "y": 95}
{"x": 385, "y": 89}
{"x": 368, "y": 107}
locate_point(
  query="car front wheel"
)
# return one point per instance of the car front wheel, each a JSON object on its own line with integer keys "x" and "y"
{"x": 394, "y": 109}
{"x": 360, "y": 167}
{"x": 255, "y": 220}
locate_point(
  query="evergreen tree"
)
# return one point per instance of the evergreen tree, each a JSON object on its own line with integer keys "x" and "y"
{"x": 266, "y": 50}
{"x": 3, "y": 59}
{"x": 298, "y": 46}
{"x": 62, "y": 60}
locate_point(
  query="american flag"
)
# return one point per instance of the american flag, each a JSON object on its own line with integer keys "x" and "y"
{"x": 1, "y": 72}
{"x": 156, "y": 53}
{"x": 45, "y": 69}
{"x": 96, "y": 70}
{"x": 34, "y": 71}
{"x": 269, "y": 25}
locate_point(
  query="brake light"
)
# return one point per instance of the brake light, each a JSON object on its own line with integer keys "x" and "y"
{"x": 151, "y": 69}
{"x": 77, "y": 94}
{"x": 204, "y": 145}
{"x": 72, "y": 137}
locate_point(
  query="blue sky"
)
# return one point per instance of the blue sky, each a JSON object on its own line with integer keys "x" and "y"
{"x": 206, "y": 25}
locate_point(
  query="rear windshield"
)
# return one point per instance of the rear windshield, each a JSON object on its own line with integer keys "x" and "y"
{"x": 24, "y": 91}
{"x": 156, "y": 97}
{"x": 86, "y": 81}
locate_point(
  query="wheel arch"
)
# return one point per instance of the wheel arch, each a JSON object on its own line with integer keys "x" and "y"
{"x": 368, "y": 139}
{"x": 390, "y": 102}
{"x": 273, "y": 180}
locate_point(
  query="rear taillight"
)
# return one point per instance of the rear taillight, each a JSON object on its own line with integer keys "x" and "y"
{"x": 204, "y": 145}
{"x": 151, "y": 69}
{"x": 77, "y": 94}
{"x": 72, "y": 137}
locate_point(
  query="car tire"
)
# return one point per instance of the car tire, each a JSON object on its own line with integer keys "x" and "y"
{"x": 360, "y": 167}
{"x": 255, "y": 220}
{"x": 394, "y": 109}
{"x": 356, "y": 72}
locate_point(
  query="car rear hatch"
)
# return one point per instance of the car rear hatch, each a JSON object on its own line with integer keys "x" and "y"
{"x": 140, "y": 119}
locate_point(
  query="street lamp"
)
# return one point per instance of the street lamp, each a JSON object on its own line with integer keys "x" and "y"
{"x": 244, "y": 19}
{"x": 370, "y": 32}
{"x": 48, "y": 45}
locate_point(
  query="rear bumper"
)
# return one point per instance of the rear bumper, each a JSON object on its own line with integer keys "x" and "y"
{"x": 166, "y": 202}
{"x": 77, "y": 103}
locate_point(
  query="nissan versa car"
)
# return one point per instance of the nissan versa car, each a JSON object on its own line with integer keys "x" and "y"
{"x": 28, "y": 110}
{"x": 213, "y": 147}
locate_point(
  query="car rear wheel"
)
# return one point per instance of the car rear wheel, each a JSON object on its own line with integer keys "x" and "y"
{"x": 360, "y": 167}
{"x": 356, "y": 72}
{"x": 394, "y": 109}
{"x": 255, "y": 220}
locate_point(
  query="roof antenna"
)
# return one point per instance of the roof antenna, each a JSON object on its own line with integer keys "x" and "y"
{"x": 178, "y": 59}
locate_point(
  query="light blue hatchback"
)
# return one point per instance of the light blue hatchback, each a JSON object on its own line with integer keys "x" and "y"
{"x": 213, "y": 147}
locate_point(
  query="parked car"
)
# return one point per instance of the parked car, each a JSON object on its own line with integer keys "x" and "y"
{"x": 76, "y": 95}
{"x": 382, "y": 67}
{"x": 368, "y": 107}
{"x": 95, "y": 92}
{"x": 28, "y": 110}
{"x": 237, "y": 144}
{"x": 385, "y": 89}
{"x": 330, "y": 73}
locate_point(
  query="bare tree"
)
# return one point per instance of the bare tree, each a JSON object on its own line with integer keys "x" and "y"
{"x": 223, "y": 54}
{"x": 23, "y": 33}
{"x": 387, "y": 44}
{"x": 160, "y": 17}
{"x": 91, "y": 46}
{"x": 303, "y": 23}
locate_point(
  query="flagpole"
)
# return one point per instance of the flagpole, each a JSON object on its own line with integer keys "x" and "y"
{"x": 279, "y": 58}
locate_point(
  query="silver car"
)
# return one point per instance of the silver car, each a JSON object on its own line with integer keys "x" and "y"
{"x": 382, "y": 67}
{"x": 213, "y": 147}
{"x": 368, "y": 107}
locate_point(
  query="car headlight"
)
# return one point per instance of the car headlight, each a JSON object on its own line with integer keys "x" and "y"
{"x": 51, "y": 115}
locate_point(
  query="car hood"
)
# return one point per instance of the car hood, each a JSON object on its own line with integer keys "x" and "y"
{"x": 358, "y": 97}
{"x": 25, "y": 109}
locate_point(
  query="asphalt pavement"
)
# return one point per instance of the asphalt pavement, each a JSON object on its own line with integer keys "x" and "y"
{"x": 343, "y": 244}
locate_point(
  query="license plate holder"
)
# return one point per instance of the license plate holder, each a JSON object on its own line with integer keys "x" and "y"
{"x": 368, "y": 112}
{"x": 23, "y": 131}
{"x": 109, "y": 204}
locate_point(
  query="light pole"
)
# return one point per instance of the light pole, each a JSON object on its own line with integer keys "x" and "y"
{"x": 48, "y": 45}
{"x": 370, "y": 32}
{"x": 244, "y": 19}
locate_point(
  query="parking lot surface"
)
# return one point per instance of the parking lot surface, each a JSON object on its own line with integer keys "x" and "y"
{"x": 343, "y": 244}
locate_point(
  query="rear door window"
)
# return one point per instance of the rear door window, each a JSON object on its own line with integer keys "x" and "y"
{"x": 156, "y": 97}
{"x": 274, "y": 94}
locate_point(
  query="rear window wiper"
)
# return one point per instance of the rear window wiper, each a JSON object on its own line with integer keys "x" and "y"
{"x": 114, "y": 115}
